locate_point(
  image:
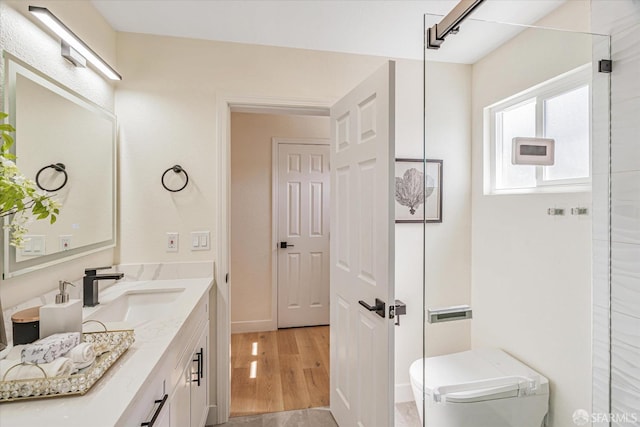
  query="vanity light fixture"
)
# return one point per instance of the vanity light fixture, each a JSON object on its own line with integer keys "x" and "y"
{"x": 72, "y": 55}
{"x": 73, "y": 41}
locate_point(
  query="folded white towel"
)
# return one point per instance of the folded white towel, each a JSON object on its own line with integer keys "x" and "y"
{"x": 15, "y": 353}
{"x": 50, "y": 348}
{"x": 60, "y": 367}
{"x": 82, "y": 355}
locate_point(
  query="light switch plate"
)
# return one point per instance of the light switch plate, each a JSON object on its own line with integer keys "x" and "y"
{"x": 200, "y": 241}
{"x": 34, "y": 245}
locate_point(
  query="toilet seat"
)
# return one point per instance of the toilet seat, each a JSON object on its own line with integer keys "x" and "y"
{"x": 477, "y": 382}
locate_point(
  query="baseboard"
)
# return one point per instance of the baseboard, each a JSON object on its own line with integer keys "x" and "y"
{"x": 212, "y": 416}
{"x": 404, "y": 393}
{"x": 253, "y": 326}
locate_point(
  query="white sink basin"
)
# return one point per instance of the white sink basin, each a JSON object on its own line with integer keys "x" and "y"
{"x": 137, "y": 306}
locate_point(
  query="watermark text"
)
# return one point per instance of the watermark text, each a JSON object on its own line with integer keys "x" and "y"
{"x": 582, "y": 417}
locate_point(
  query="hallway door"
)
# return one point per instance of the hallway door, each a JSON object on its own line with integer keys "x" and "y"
{"x": 362, "y": 252}
{"x": 303, "y": 234}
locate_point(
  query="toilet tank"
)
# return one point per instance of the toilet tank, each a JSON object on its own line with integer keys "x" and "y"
{"x": 480, "y": 388}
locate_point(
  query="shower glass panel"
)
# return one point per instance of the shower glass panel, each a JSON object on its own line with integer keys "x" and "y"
{"x": 516, "y": 278}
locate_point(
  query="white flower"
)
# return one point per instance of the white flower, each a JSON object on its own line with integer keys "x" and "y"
{"x": 49, "y": 204}
{"x": 19, "y": 179}
{"x": 6, "y": 163}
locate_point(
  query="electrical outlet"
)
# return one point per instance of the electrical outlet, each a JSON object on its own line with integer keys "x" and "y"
{"x": 172, "y": 242}
{"x": 65, "y": 242}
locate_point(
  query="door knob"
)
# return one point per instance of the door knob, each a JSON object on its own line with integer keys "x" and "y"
{"x": 378, "y": 308}
{"x": 285, "y": 245}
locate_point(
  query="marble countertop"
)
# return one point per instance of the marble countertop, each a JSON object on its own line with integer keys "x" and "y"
{"x": 109, "y": 398}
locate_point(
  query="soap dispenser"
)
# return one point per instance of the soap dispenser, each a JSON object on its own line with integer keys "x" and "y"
{"x": 63, "y": 316}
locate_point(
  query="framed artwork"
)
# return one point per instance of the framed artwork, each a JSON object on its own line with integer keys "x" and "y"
{"x": 412, "y": 202}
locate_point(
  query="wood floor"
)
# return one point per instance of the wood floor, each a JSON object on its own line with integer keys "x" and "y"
{"x": 279, "y": 370}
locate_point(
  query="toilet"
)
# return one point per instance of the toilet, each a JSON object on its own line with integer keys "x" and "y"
{"x": 479, "y": 388}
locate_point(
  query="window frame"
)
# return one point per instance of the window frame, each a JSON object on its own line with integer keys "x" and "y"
{"x": 565, "y": 83}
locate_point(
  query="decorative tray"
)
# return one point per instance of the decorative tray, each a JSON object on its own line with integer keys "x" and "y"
{"x": 109, "y": 344}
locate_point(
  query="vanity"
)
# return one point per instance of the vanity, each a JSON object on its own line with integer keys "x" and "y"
{"x": 161, "y": 381}
{"x": 65, "y": 141}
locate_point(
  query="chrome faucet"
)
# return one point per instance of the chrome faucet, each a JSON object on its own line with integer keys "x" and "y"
{"x": 90, "y": 284}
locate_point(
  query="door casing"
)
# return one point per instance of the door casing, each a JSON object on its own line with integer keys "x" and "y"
{"x": 226, "y": 103}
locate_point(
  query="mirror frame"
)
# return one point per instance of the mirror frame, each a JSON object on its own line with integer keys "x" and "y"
{"x": 12, "y": 268}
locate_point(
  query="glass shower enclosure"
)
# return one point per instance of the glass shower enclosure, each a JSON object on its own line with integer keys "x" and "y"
{"x": 516, "y": 280}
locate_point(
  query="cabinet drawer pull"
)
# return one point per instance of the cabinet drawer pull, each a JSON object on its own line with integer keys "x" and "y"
{"x": 200, "y": 372}
{"x": 156, "y": 413}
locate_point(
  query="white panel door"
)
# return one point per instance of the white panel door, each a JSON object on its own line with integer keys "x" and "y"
{"x": 362, "y": 252}
{"x": 303, "y": 227}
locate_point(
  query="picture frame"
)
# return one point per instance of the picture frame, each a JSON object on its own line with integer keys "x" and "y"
{"x": 411, "y": 205}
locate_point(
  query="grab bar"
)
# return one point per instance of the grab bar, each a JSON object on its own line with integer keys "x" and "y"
{"x": 523, "y": 385}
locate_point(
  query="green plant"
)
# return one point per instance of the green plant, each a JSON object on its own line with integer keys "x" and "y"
{"x": 19, "y": 196}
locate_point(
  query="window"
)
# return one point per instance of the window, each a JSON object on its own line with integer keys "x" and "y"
{"x": 558, "y": 109}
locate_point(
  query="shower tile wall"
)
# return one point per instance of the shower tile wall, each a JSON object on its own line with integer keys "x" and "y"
{"x": 621, "y": 19}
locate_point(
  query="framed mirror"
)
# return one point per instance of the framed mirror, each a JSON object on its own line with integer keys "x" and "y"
{"x": 68, "y": 143}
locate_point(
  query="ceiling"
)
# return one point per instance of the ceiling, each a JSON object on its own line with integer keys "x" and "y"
{"x": 390, "y": 28}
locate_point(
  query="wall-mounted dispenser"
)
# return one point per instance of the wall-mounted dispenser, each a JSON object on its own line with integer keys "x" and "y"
{"x": 448, "y": 314}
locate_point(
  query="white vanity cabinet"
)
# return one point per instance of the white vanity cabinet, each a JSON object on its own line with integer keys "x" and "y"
{"x": 181, "y": 379}
{"x": 163, "y": 420}
{"x": 200, "y": 384}
{"x": 160, "y": 415}
{"x": 190, "y": 380}
{"x": 181, "y": 402}
{"x": 150, "y": 406}
{"x": 155, "y": 382}
{"x": 190, "y": 395}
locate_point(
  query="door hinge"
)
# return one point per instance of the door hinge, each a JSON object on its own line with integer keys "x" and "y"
{"x": 605, "y": 66}
{"x": 226, "y": 278}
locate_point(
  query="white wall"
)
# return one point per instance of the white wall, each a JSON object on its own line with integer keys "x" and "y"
{"x": 251, "y": 195}
{"x": 163, "y": 124}
{"x": 621, "y": 19}
{"x": 21, "y": 37}
{"x": 408, "y": 237}
{"x": 167, "y": 107}
{"x": 531, "y": 274}
{"x": 448, "y": 244}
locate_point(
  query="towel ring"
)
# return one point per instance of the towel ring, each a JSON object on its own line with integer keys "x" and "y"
{"x": 58, "y": 167}
{"x": 176, "y": 169}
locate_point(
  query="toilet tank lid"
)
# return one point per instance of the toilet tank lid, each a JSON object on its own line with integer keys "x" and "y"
{"x": 477, "y": 374}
